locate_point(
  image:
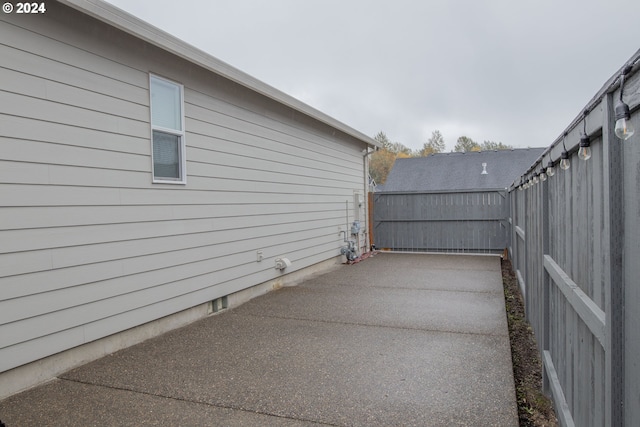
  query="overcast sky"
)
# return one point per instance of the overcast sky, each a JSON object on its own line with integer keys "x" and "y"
{"x": 513, "y": 71}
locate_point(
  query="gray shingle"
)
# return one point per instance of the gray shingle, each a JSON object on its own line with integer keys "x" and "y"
{"x": 460, "y": 171}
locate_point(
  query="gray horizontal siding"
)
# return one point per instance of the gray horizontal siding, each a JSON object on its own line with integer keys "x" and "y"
{"x": 88, "y": 245}
{"x": 45, "y": 238}
{"x": 49, "y": 312}
{"x": 114, "y": 104}
{"x": 52, "y": 111}
{"x": 90, "y": 56}
{"x": 31, "y": 129}
{"x": 38, "y": 62}
{"x": 32, "y": 217}
{"x": 90, "y": 250}
{"x": 33, "y": 195}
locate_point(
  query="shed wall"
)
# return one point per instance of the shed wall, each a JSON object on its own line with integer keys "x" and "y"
{"x": 445, "y": 221}
{"x": 88, "y": 245}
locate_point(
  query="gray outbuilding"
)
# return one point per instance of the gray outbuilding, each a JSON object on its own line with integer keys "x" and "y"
{"x": 449, "y": 202}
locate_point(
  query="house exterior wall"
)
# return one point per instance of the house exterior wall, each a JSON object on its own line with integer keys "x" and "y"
{"x": 89, "y": 246}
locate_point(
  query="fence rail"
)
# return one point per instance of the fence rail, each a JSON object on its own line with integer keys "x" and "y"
{"x": 574, "y": 242}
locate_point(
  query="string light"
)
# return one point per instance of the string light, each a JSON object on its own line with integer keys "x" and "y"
{"x": 624, "y": 129}
{"x": 542, "y": 174}
{"x": 584, "y": 152}
{"x": 564, "y": 161}
{"x": 564, "y": 156}
{"x": 550, "y": 169}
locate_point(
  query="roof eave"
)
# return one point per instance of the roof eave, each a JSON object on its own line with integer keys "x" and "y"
{"x": 128, "y": 23}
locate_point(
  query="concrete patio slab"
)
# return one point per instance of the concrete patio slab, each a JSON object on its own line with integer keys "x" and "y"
{"x": 379, "y": 343}
{"x": 445, "y": 311}
{"x": 73, "y": 404}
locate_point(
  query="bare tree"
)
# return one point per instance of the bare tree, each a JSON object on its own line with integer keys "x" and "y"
{"x": 491, "y": 145}
{"x": 466, "y": 144}
{"x": 435, "y": 144}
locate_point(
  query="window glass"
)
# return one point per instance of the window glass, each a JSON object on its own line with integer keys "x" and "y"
{"x": 166, "y": 155}
{"x": 165, "y": 104}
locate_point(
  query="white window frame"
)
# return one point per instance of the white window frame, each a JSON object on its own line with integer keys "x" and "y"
{"x": 182, "y": 164}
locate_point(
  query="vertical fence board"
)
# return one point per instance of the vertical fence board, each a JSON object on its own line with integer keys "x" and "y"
{"x": 598, "y": 228}
{"x": 631, "y": 261}
{"x": 614, "y": 296}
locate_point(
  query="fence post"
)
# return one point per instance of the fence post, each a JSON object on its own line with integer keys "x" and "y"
{"x": 512, "y": 212}
{"x": 525, "y": 252}
{"x": 614, "y": 293}
{"x": 370, "y": 219}
{"x": 546, "y": 300}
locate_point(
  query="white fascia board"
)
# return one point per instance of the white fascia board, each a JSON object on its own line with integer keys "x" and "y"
{"x": 128, "y": 23}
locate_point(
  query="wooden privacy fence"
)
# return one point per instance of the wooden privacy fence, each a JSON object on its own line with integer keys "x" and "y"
{"x": 470, "y": 221}
{"x": 575, "y": 245}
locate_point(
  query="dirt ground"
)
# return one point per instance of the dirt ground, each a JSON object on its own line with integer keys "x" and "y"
{"x": 534, "y": 408}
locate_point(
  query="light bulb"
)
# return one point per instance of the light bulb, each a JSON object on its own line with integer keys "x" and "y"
{"x": 564, "y": 162}
{"x": 550, "y": 169}
{"x": 584, "y": 153}
{"x": 624, "y": 128}
{"x": 543, "y": 176}
{"x": 535, "y": 179}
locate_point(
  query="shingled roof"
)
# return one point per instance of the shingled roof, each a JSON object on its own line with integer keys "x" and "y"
{"x": 460, "y": 171}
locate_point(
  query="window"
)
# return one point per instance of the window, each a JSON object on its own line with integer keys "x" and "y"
{"x": 167, "y": 131}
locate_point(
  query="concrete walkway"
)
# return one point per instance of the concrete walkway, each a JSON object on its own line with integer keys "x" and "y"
{"x": 395, "y": 340}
